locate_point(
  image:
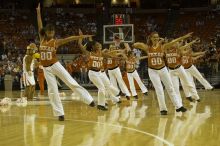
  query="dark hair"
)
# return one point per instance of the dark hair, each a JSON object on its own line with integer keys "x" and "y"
{"x": 149, "y": 42}
{"x": 42, "y": 32}
{"x": 48, "y": 27}
{"x": 130, "y": 53}
{"x": 116, "y": 37}
{"x": 90, "y": 45}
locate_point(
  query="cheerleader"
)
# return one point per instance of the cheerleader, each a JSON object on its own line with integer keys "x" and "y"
{"x": 133, "y": 74}
{"x": 158, "y": 72}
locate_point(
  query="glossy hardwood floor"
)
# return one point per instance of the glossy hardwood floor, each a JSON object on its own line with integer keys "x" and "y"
{"x": 133, "y": 123}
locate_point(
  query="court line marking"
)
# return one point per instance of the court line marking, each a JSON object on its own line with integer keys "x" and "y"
{"x": 94, "y": 122}
{"x": 128, "y": 128}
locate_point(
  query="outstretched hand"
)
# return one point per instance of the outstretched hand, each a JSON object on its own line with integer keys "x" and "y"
{"x": 38, "y": 7}
{"x": 190, "y": 34}
{"x": 80, "y": 32}
{"x": 86, "y": 36}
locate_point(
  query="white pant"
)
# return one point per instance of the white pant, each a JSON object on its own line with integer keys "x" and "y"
{"x": 28, "y": 79}
{"x": 58, "y": 70}
{"x": 156, "y": 76}
{"x": 131, "y": 77}
{"x": 180, "y": 73}
{"x": 115, "y": 76}
{"x": 95, "y": 78}
{"x": 99, "y": 80}
{"x": 193, "y": 72}
{"x": 109, "y": 88}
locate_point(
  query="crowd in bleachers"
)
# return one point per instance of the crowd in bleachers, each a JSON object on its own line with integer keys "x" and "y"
{"x": 145, "y": 24}
{"x": 18, "y": 28}
{"x": 196, "y": 22}
{"x": 68, "y": 23}
{"x": 204, "y": 25}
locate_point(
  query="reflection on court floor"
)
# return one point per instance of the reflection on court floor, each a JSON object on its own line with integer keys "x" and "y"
{"x": 131, "y": 123}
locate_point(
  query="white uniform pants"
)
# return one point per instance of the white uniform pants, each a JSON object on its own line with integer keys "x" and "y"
{"x": 115, "y": 76}
{"x": 109, "y": 88}
{"x": 28, "y": 79}
{"x": 156, "y": 76}
{"x": 193, "y": 72}
{"x": 95, "y": 78}
{"x": 58, "y": 70}
{"x": 180, "y": 73}
{"x": 131, "y": 77}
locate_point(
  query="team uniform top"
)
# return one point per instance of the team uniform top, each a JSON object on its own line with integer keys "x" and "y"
{"x": 173, "y": 58}
{"x": 104, "y": 65}
{"x": 187, "y": 60}
{"x": 48, "y": 53}
{"x": 95, "y": 62}
{"x": 130, "y": 64}
{"x": 112, "y": 63}
{"x": 24, "y": 64}
{"x": 83, "y": 66}
{"x": 155, "y": 58}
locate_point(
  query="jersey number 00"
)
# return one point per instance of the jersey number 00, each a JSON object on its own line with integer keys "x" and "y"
{"x": 46, "y": 55}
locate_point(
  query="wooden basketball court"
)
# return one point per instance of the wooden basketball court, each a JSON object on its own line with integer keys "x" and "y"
{"x": 133, "y": 123}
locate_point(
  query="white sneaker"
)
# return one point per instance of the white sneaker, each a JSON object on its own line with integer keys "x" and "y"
{"x": 5, "y": 101}
{"x": 21, "y": 101}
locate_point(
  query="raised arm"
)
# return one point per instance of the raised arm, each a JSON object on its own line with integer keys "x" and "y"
{"x": 198, "y": 53}
{"x": 169, "y": 44}
{"x": 39, "y": 21}
{"x": 82, "y": 48}
{"x": 189, "y": 44}
{"x": 141, "y": 46}
{"x": 197, "y": 57}
{"x": 123, "y": 56}
{"x": 186, "y": 48}
{"x": 113, "y": 53}
{"x": 60, "y": 42}
{"x": 141, "y": 58}
{"x": 127, "y": 47}
{"x": 117, "y": 51}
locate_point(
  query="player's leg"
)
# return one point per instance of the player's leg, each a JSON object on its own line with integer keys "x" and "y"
{"x": 131, "y": 84}
{"x": 32, "y": 92}
{"x": 32, "y": 83}
{"x": 26, "y": 92}
{"x": 121, "y": 82}
{"x": 186, "y": 81}
{"x": 155, "y": 79}
{"x": 61, "y": 72}
{"x": 184, "y": 85}
{"x": 41, "y": 84}
{"x": 21, "y": 83}
{"x": 113, "y": 79}
{"x": 110, "y": 89}
{"x": 26, "y": 85}
{"x": 175, "y": 81}
{"x": 139, "y": 82}
{"x": 95, "y": 78}
{"x": 166, "y": 79}
{"x": 53, "y": 92}
{"x": 195, "y": 73}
